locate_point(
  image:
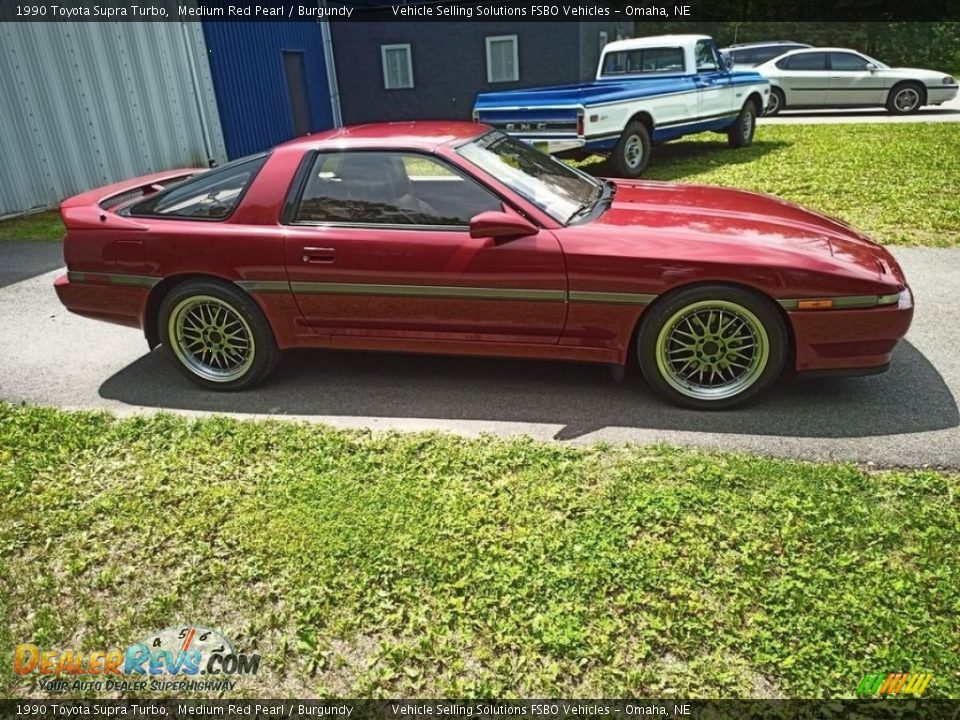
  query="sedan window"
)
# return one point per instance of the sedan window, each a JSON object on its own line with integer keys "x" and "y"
{"x": 386, "y": 188}
{"x": 212, "y": 195}
{"x": 804, "y": 61}
{"x": 848, "y": 62}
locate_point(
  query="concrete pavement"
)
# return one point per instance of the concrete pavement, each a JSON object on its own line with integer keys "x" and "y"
{"x": 907, "y": 416}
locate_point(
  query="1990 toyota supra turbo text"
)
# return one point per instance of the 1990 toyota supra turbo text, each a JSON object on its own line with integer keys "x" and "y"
{"x": 445, "y": 237}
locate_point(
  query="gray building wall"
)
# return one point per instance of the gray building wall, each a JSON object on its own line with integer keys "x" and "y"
{"x": 450, "y": 64}
{"x": 86, "y": 104}
{"x": 590, "y": 46}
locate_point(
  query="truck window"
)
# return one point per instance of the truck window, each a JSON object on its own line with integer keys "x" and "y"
{"x": 643, "y": 60}
{"x": 706, "y": 54}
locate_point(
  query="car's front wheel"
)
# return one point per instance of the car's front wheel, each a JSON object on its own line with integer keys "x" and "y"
{"x": 712, "y": 347}
{"x": 741, "y": 134}
{"x": 217, "y": 335}
{"x": 905, "y": 98}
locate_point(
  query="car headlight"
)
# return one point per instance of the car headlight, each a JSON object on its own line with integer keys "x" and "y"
{"x": 948, "y": 80}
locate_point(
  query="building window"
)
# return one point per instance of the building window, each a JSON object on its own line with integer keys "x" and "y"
{"x": 397, "y": 66}
{"x": 502, "y": 63}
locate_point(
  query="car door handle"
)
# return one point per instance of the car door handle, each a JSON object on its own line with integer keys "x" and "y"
{"x": 319, "y": 254}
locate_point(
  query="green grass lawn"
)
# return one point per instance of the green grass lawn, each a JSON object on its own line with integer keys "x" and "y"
{"x": 364, "y": 564}
{"x": 44, "y": 225}
{"x": 897, "y": 182}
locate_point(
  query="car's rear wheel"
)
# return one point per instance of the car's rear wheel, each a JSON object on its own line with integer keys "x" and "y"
{"x": 632, "y": 153}
{"x": 905, "y": 98}
{"x": 216, "y": 335}
{"x": 712, "y": 347}
{"x": 741, "y": 134}
{"x": 776, "y": 102}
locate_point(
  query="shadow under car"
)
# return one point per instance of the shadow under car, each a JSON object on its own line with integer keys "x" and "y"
{"x": 910, "y": 397}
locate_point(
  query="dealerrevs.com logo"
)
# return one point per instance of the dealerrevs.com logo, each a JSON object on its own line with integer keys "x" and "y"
{"x": 176, "y": 659}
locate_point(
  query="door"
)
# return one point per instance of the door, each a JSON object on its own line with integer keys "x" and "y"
{"x": 715, "y": 93}
{"x": 379, "y": 246}
{"x": 804, "y": 78}
{"x": 296, "y": 75}
{"x": 851, "y": 83}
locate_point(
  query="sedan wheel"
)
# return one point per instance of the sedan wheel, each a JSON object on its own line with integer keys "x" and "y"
{"x": 775, "y": 103}
{"x": 904, "y": 100}
{"x": 712, "y": 347}
{"x": 216, "y": 335}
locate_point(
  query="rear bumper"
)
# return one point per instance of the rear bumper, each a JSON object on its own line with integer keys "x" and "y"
{"x": 119, "y": 304}
{"x": 851, "y": 342}
{"x": 553, "y": 145}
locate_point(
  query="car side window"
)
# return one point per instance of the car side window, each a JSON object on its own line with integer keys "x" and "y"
{"x": 387, "y": 188}
{"x": 804, "y": 61}
{"x": 212, "y": 195}
{"x": 706, "y": 56}
{"x": 848, "y": 62}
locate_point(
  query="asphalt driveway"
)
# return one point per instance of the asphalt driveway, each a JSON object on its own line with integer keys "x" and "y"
{"x": 907, "y": 416}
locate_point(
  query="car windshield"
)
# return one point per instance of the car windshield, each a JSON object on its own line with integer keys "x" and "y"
{"x": 557, "y": 189}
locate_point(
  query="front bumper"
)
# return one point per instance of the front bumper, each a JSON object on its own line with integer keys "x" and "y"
{"x": 850, "y": 342}
{"x": 939, "y": 94}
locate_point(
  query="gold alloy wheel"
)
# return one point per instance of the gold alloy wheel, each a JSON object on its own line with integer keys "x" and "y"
{"x": 211, "y": 338}
{"x": 712, "y": 350}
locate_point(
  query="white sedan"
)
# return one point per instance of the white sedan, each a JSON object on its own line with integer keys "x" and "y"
{"x": 839, "y": 78}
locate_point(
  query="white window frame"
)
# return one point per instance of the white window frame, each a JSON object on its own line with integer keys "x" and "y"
{"x": 386, "y": 72}
{"x": 516, "y": 59}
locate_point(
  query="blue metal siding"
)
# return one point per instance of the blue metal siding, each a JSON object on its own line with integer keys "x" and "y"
{"x": 246, "y": 61}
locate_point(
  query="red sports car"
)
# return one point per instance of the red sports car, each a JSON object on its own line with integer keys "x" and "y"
{"x": 448, "y": 237}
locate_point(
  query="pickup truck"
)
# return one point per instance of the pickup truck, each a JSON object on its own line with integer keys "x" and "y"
{"x": 647, "y": 91}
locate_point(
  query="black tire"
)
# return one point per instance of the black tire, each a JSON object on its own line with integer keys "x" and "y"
{"x": 663, "y": 342}
{"x": 632, "y": 154}
{"x": 906, "y": 98}
{"x": 776, "y": 103}
{"x": 740, "y": 135}
{"x": 228, "y": 329}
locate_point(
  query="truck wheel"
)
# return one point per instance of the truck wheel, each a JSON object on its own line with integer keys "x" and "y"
{"x": 632, "y": 153}
{"x": 741, "y": 133}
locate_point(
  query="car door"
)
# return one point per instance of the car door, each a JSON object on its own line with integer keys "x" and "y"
{"x": 378, "y": 245}
{"x": 851, "y": 83}
{"x": 715, "y": 92}
{"x": 803, "y": 79}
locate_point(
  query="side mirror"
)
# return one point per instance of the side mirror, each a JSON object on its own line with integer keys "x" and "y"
{"x": 872, "y": 68}
{"x": 500, "y": 225}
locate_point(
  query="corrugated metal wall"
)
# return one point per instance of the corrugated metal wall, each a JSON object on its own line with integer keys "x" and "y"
{"x": 246, "y": 60}
{"x": 85, "y": 104}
